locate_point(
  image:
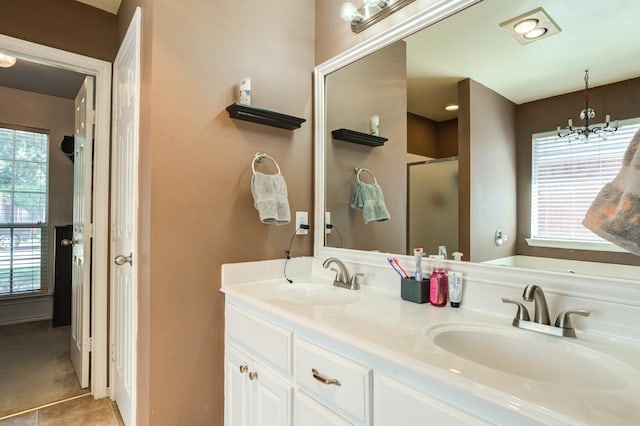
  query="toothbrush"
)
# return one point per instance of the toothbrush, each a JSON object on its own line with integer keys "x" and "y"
{"x": 397, "y": 262}
{"x": 417, "y": 253}
{"x": 395, "y": 268}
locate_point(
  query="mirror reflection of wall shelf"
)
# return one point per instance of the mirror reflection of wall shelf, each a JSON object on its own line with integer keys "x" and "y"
{"x": 263, "y": 116}
{"x": 352, "y": 136}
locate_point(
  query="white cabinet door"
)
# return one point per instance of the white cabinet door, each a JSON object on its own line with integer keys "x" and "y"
{"x": 270, "y": 398}
{"x": 254, "y": 395}
{"x": 399, "y": 404}
{"x": 308, "y": 412}
{"x": 236, "y": 388}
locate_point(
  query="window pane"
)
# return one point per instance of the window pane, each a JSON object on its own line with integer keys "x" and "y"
{"x": 6, "y": 175}
{"x": 6, "y": 144}
{"x": 29, "y": 207}
{"x": 30, "y": 177}
{"x": 30, "y": 146}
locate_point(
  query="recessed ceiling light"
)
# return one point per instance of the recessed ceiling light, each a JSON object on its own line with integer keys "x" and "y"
{"x": 531, "y": 26}
{"x": 452, "y": 107}
{"x": 535, "y": 33}
{"x": 7, "y": 61}
{"x": 525, "y": 26}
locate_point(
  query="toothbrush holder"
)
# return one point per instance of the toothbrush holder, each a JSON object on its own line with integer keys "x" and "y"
{"x": 414, "y": 291}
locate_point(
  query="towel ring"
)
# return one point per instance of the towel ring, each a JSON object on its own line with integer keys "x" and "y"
{"x": 358, "y": 170}
{"x": 261, "y": 156}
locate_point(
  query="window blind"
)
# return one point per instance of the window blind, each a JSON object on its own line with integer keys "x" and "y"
{"x": 23, "y": 211}
{"x": 566, "y": 178}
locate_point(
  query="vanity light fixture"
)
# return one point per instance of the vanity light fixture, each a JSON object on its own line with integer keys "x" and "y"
{"x": 531, "y": 26}
{"x": 452, "y": 107}
{"x": 7, "y": 61}
{"x": 581, "y": 133}
{"x": 370, "y": 13}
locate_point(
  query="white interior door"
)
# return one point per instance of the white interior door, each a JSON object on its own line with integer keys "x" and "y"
{"x": 124, "y": 212}
{"x": 81, "y": 272}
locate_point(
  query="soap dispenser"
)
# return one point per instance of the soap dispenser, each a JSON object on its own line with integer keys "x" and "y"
{"x": 439, "y": 284}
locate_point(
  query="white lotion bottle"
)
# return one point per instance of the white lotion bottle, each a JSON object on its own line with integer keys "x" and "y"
{"x": 455, "y": 288}
{"x": 374, "y": 125}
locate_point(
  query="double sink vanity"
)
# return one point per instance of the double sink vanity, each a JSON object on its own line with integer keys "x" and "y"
{"x": 312, "y": 353}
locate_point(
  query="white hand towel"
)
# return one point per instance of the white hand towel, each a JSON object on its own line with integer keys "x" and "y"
{"x": 615, "y": 212}
{"x": 270, "y": 198}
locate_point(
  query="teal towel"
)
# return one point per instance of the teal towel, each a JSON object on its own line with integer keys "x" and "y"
{"x": 369, "y": 198}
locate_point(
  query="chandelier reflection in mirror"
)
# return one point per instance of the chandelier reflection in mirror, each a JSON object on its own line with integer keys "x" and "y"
{"x": 370, "y": 13}
{"x": 582, "y": 133}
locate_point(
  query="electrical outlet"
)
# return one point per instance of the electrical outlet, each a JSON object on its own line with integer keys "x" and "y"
{"x": 302, "y": 218}
{"x": 327, "y": 221}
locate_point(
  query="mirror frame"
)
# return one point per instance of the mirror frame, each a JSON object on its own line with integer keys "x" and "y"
{"x": 429, "y": 16}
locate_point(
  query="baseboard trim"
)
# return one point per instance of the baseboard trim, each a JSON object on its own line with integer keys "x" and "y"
{"x": 15, "y": 311}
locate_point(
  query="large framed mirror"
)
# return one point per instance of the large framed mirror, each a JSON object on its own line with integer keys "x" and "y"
{"x": 463, "y": 179}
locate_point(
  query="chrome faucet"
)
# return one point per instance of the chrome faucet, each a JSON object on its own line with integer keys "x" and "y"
{"x": 342, "y": 274}
{"x": 540, "y": 310}
{"x": 541, "y": 322}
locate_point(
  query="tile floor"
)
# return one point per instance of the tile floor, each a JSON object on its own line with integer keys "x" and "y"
{"x": 77, "y": 411}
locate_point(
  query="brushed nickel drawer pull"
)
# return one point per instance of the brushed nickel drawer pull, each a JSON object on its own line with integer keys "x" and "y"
{"x": 324, "y": 379}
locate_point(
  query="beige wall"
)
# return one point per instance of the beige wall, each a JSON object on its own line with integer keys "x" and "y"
{"x": 447, "y": 133}
{"x": 375, "y": 84}
{"x": 196, "y": 206}
{"x": 56, "y": 115}
{"x": 64, "y": 24}
{"x": 621, "y": 100}
{"x": 434, "y": 139}
{"x": 487, "y": 157}
{"x": 422, "y": 136}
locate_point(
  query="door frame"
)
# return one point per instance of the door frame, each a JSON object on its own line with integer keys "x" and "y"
{"x": 101, "y": 70}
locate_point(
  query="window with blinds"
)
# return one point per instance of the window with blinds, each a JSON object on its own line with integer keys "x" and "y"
{"x": 567, "y": 176}
{"x": 23, "y": 212}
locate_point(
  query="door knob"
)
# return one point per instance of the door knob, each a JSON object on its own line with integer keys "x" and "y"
{"x": 121, "y": 260}
{"x": 65, "y": 242}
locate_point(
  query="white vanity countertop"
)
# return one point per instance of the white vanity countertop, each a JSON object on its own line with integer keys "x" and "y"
{"x": 398, "y": 331}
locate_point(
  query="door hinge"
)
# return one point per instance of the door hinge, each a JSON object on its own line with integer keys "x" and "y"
{"x": 88, "y": 345}
{"x": 113, "y": 352}
{"x": 91, "y": 116}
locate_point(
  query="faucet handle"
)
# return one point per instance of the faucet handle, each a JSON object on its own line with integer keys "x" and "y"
{"x": 355, "y": 282}
{"x": 563, "y": 320}
{"x": 521, "y": 314}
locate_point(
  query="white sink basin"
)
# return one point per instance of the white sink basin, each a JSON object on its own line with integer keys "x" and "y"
{"x": 316, "y": 294}
{"x": 555, "y": 360}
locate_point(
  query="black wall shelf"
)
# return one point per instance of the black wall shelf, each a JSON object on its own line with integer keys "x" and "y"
{"x": 347, "y": 135}
{"x": 263, "y": 116}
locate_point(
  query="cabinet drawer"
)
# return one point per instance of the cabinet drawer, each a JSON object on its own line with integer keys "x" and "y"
{"x": 353, "y": 394}
{"x": 267, "y": 341}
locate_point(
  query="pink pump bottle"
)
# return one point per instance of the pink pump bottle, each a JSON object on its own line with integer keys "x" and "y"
{"x": 439, "y": 285}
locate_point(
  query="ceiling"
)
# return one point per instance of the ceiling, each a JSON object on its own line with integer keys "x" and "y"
{"x": 39, "y": 78}
{"x": 602, "y": 36}
{"x": 110, "y": 6}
